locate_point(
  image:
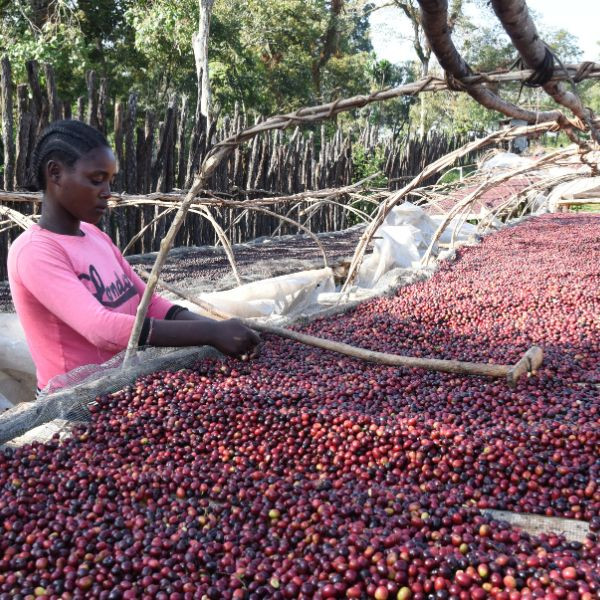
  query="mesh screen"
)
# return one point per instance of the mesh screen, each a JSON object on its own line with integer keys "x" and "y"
{"x": 68, "y": 396}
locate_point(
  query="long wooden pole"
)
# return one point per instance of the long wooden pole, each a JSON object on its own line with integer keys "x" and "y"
{"x": 529, "y": 362}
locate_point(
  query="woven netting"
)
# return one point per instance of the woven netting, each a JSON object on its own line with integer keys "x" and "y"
{"x": 68, "y": 396}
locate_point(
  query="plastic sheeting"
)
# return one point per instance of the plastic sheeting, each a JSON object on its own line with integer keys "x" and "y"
{"x": 17, "y": 371}
{"x": 399, "y": 245}
{"x": 505, "y": 161}
{"x": 403, "y": 239}
{"x": 572, "y": 188}
{"x": 283, "y": 295}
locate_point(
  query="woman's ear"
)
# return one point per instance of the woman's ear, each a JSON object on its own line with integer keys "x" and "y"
{"x": 53, "y": 172}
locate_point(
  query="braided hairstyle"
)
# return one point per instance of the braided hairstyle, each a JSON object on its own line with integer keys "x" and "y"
{"x": 64, "y": 141}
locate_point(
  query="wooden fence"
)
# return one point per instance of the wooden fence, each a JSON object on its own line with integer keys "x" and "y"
{"x": 161, "y": 152}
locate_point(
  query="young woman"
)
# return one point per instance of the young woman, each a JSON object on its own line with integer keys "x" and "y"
{"x": 75, "y": 294}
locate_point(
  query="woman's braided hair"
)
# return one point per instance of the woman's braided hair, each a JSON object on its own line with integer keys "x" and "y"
{"x": 65, "y": 141}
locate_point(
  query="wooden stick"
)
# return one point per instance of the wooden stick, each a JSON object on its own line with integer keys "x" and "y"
{"x": 530, "y": 361}
{"x": 487, "y": 185}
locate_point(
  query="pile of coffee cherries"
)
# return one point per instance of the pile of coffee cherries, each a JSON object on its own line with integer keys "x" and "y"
{"x": 306, "y": 474}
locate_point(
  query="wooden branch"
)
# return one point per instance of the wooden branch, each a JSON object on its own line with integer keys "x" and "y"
{"x": 222, "y": 150}
{"x": 435, "y": 167}
{"x": 517, "y": 22}
{"x": 325, "y": 111}
{"x": 143, "y": 230}
{"x": 530, "y": 361}
{"x": 205, "y": 212}
{"x": 434, "y": 18}
{"x": 546, "y": 183}
{"x": 487, "y": 185}
{"x": 208, "y": 168}
{"x": 295, "y": 224}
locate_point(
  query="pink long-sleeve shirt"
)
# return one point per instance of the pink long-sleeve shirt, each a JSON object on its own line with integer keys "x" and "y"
{"x": 76, "y": 297}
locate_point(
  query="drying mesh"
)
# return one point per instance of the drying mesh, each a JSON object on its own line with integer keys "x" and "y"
{"x": 68, "y": 396}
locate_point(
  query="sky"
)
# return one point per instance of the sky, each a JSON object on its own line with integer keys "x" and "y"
{"x": 579, "y": 17}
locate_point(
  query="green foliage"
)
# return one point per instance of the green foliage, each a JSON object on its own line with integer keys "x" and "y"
{"x": 456, "y": 174}
{"x": 594, "y": 208}
{"x": 368, "y": 162}
{"x": 365, "y": 163}
{"x": 268, "y": 56}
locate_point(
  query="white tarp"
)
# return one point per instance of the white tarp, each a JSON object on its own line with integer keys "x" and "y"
{"x": 571, "y": 188}
{"x": 506, "y": 161}
{"x": 17, "y": 371}
{"x": 402, "y": 240}
{"x": 399, "y": 246}
{"x": 284, "y": 295}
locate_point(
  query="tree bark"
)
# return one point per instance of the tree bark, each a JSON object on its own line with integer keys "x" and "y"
{"x": 91, "y": 81}
{"x": 517, "y": 22}
{"x": 434, "y": 17}
{"x": 200, "y": 46}
{"x": 330, "y": 44}
{"x": 118, "y": 128}
{"x": 54, "y": 104}
{"x": 6, "y": 90}
{"x": 102, "y": 105}
{"x": 130, "y": 150}
{"x": 24, "y": 120}
{"x": 40, "y": 12}
{"x": 40, "y": 102}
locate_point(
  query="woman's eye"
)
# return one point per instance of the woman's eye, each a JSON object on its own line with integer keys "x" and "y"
{"x": 97, "y": 181}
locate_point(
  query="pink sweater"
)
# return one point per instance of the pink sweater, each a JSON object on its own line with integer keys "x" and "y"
{"x": 76, "y": 297}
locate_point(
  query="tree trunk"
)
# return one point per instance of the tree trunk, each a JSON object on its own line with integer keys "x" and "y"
{"x": 434, "y": 18}
{"x": 130, "y": 150}
{"x": 40, "y": 12}
{"x": 200, "y": 45}
{"x": 6, "y": 91}
{"x": 517, "y": 22}
{"x": 91, "y": 81}
{"x": 330, "y": 43}
{"x": 40, "y": 102}
{"x": 424, "y": 73}
{"x": 24, "y": 120}
{"x": 54, "y": 104}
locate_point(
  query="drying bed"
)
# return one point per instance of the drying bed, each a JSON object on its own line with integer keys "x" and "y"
{"x": 488, "y": 200}
{"x": 305, "y": 474}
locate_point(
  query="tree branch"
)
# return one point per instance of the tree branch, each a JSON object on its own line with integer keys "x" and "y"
{"x": 434, "y": 18}
{"x": 517, "y": 22}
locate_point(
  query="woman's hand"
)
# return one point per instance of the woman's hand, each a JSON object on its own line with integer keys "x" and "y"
{"x": 233, "y": 338}
{"x": 230, "y": 337}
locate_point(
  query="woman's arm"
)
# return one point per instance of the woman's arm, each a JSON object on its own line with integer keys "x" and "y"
{"x": 229, "y": 337}
{"x": 46, "y": 267}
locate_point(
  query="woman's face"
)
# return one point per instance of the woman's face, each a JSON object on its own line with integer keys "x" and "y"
{"x": 83, "y": 190}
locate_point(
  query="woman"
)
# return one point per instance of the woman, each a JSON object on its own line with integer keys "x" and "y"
{"x": 75, "y": 294}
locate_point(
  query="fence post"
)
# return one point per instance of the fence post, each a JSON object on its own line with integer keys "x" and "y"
{"x": 130, "y": 162}
{"x": 40, "y": 102}
{"x": 118, "y": 125}
{"x": 7, "y": 123}
{"x": 24, "y": 120}
{"x": 102, "y": 105}
{"x": 92, "y": 114}
{"x": 53, "y": 101}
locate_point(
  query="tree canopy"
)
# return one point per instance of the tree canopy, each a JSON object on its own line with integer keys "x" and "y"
{"x": 268, "y": 56}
